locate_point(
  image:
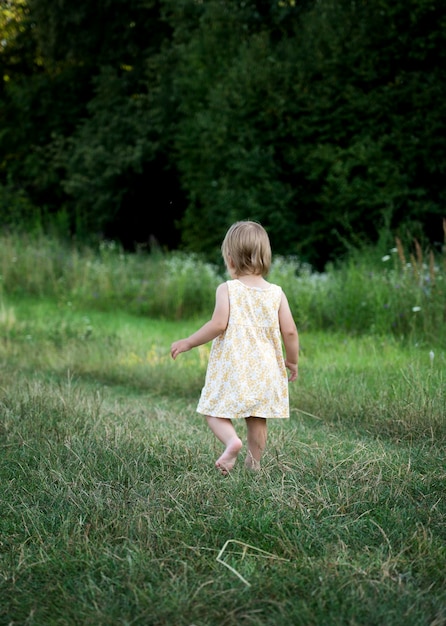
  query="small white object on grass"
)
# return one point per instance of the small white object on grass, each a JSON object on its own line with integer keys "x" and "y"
{"x": 245, "y": 546}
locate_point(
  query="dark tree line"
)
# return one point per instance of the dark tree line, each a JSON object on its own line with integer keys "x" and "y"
{"x": 169, "y": 119}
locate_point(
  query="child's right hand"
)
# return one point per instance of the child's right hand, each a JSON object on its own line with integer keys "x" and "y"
{"x": 182, "y": 345}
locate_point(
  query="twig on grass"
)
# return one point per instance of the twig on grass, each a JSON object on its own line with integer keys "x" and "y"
{"x": 245, "y": 548}
{"x": 306, "y": 413}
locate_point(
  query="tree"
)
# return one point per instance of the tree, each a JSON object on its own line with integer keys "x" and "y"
{"x": 80, "y": 138}
{"x": 323, "y": 119}
{"x": 327, "y": 133}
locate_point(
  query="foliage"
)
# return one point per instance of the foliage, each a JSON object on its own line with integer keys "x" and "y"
{"x": 107, "y": 33}
{"x": 18, "y": 213}
{"x": 105, "y": 153}
{"x": 401, "y": 293}
{"x": 228, "y": 146}
{"x": 107, "y": 278}
{"x": 323, "y": 120}
{"x": 320, "y": 134}
{"x": 79, "y": 136}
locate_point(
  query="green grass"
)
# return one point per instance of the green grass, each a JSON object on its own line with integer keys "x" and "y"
{"x": 400, "y": 294}
{"x": 113, "y": 514}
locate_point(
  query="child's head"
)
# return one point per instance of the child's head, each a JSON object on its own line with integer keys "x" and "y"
{"x": 247, "y": 246}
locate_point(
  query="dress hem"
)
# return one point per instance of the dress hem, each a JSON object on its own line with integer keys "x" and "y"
{"x": 234, "y": 417}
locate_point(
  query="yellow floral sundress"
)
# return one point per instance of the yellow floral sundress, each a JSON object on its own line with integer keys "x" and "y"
{"x": 246, "y": 374}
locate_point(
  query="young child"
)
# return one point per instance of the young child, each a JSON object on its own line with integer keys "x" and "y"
{"x": 246, "y": 375}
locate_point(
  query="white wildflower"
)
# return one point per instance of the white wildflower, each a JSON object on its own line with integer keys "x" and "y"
{"x": 385, "y": 258}
{"x": 415, "y": 309}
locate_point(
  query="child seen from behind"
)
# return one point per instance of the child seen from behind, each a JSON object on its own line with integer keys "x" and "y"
{"x": 246, "y": 375}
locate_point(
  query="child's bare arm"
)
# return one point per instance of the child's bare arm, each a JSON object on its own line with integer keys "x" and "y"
{"x": 216, "y": 325}
{"x": 290, "y": 338}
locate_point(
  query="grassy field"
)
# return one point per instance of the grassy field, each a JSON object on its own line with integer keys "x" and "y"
{"x": 113, "y": 513}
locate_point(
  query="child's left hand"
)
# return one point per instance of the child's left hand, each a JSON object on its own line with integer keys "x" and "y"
{"x": 293, "y": 371}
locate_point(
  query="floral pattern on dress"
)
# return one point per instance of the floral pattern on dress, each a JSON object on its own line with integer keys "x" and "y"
{"x": 246, "y": 374}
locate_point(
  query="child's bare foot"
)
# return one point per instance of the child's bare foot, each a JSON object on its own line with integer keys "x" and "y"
{"x": 251, "y": 463}
{"x": 226, "y": 462}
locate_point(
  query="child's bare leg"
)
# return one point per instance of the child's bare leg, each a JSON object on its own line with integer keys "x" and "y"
{"x": 224, "y": 430}
{"x": 257, "y": 435}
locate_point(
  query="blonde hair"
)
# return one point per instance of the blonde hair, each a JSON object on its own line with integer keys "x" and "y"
{"x": 247, "y": 244}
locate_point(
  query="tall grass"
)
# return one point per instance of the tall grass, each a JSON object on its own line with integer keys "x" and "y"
{"x": 399, "y": 293}
{"x": 106, "y": 278}
{"x": 402, "y": 293}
